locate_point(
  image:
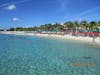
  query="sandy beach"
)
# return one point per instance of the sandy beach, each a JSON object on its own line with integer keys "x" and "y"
{"x": 67, "y": 36}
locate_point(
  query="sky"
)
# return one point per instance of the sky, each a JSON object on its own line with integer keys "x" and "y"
{"x": 30, "y": 13}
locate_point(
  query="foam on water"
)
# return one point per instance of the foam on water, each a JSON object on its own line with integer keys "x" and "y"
{"x": 32, "y": 55}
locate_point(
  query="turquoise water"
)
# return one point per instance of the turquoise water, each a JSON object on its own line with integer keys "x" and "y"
{"x": 32, "y": 55}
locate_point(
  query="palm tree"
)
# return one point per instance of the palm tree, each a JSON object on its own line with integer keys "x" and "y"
{"x": 69, "y": 25}
{"x": 84, "y": 25}
{"x": 92, "y": 25}
{"x": 57, "y": 27}
{"x": 98, "y": 23}
{"x": 76, "y": 25}
{"x": 98, "y": 26}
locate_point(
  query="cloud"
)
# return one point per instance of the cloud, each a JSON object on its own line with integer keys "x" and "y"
{"x": 17, "y": 2}
{"x": 15, "y": 19}
{"x": 89, "y": 11}
{"x": 11, "y": 7}
{"x": 63, "y": 4}
{"x": 83, "y": 14}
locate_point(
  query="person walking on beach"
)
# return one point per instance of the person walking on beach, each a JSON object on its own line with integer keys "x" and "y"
{"x": 93, "y": 37}
{"x": 94, "y": 34}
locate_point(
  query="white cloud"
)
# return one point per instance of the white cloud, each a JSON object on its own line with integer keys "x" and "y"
{"x": 63, "y": 4}
{"x": 79, "y": 16}
{"x": 11, "y": 7}
{"x": 17, "y": 2}
{"x": 15, "y": 19}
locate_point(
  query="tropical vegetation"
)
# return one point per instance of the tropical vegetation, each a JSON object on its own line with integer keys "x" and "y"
{"x": 68, "y": 26}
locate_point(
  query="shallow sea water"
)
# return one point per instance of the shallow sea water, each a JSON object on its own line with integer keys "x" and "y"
{"x": 32, "y": 55}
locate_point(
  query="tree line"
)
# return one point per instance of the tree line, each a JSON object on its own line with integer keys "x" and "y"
{"x": 67, "y": 26}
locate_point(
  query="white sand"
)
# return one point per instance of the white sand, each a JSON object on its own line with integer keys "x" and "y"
{"x": 70, "y": 37}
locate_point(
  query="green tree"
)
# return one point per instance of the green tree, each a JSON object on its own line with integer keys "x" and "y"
{"x": 84, "y": 24}
{"x": 69, "y": 25}
{"x": 76, "y": 25}
{"x": 98, "y": 23}
{"x": 92, "y": 25}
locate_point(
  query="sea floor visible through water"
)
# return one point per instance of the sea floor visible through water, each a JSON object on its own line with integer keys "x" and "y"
{"x": 34, "y": 55}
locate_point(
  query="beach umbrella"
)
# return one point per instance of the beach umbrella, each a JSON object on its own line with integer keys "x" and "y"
{"x": 95, "y": 34}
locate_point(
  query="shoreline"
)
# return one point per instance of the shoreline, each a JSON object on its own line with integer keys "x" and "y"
{"x": 67, "y": 36}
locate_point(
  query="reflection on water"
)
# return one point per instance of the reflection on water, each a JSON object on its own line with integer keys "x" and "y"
{"x": 26, "y": 55}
